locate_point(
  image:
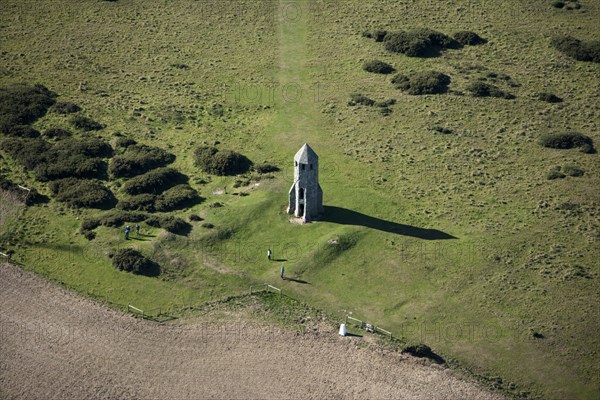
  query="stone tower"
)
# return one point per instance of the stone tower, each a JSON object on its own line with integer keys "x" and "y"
{"x": 306, "y": 195}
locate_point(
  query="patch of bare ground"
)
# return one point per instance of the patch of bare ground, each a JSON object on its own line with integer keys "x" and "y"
{"x": 55, "y": 345}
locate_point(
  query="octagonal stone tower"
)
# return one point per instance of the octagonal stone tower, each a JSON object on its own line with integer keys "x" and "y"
{"x": 306, "y": 195}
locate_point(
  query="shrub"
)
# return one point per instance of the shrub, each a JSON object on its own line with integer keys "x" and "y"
{"x": 177, "y": 197}
{"x": 419, "y": 42}
{"x": 429, "y": 82}
{"x": 68, "y": 158}
{"x": 137, "y": 159}
{"x": 89, "y": 235}
{"x": 555, "y": 174}
{"x": 65, "y": 107}
{"x": 549, "y": 97}
{"x": 24, "y": 131}
{"x": 481, "y": 89}
{"x": 115, "y": 219}
{"x": 468, "y": 38}
{"x": 221, "y": 162}
{"x": 133, "y": 261}
{"x": 171, "y": 224}
{"x": 568, "y": 141}
{"x": 422, "y": 351}
{"x": 577, "y": 49}
{"x": 89, "y": 224}
{"x": 140, "y": 202}
{"x": 85, "y": 123}
{"x": 379, "y": 35}
{"x": 28, "y": 152}
{"x": 265, "y": 168}
{"x": 124, "y": 142}
{"x": 573, "y": 170}
{"x": 378, "y": 67}
{"x": 22, "y": 104}
{"x": 56, "y": 133}
{"x": 558, "y": 4}
{"x": 155, "y": 181}
{"x": 358, "y": 98}
{"x": 195, "y": 217}
{"x": 83, "y": 193}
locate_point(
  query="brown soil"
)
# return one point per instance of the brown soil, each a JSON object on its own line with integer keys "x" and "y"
{"x": 55, "y": 345}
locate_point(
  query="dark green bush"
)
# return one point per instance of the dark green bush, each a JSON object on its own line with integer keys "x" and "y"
{"x": 421, "y": 42}
{"x": 265, "y": 168}
{"x": 468, "y": 38}
{"x": 68, "y": 158}
{"x": 22, "y": 104}
{"x": 549, "y": 97}
{"x": 85, "y": 123}
{"x": 558, "y": 4}
{"x": 28, "y": 152}
{"x": 56, "y": 133}
{"x": 482, "y": 89}
{"x": 573, "y": 170}
{"x": 155, "y": 181}
{"x": 221, "y": 162}
{"x": 140, "y": 202}
{"x": 65, "y": 107}
{"x": 124, "y": 142}
{"x": 568, "y": 141}
{"x": 24, "y": 131}
{"x": 422, "y": 351}
{"x": 578, "y": 49}
{"x": 379, "y": 35}
{"x": 176, "y": 198}
{"x": 171, "y": 224}
{"x": 137, "y": 159}
{"x": 359, "y": 98}
{"x": 195, "y": 217}
{"x": 429, "y": 82}
{"x": 83, "y": 193}
{"x": 555, "y": 174}
{"x": 118, "y": 218}
{"x": 133, "y": 261}
{"x": 378, "y": 67}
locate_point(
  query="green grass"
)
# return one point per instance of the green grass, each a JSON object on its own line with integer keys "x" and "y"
{"x": 510, "y": 268}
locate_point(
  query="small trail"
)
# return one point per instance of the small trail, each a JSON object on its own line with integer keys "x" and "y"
{"x": 297, "y": 118}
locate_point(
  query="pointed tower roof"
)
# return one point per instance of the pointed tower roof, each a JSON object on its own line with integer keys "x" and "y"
{"x": 305, "y": 155}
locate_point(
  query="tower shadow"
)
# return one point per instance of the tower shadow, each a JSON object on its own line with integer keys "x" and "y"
{"x": 339, "y": 215}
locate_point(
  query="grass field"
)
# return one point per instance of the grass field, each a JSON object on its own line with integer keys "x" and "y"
{"x": 455, "y": 240}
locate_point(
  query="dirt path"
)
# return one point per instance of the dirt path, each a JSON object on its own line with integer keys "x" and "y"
{"x": 56, "y": 345}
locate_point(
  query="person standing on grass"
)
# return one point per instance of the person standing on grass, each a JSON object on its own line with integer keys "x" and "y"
{"x": 282, "y": 271}
{"x": 269, "y": 254}
{"x": 127, "y": 230}
{"x": 137, "y": 230}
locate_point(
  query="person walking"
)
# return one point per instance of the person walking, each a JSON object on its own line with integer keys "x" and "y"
{"x": 269, "y": 254}
{"x": 127, "y": 230}
{"x": 137, "y": 230}
{"x": 282, "y": 272}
